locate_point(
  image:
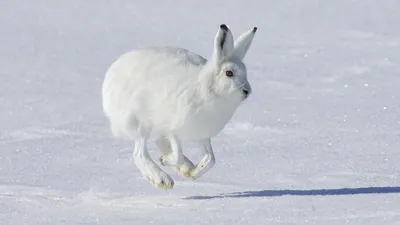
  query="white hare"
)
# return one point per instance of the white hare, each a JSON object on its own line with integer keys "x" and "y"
{"x": 176, "y": 95}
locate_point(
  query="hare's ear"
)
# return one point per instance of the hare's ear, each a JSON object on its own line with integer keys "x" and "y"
{"x": 223, "y": 43}
{"x": 243, "y": 42}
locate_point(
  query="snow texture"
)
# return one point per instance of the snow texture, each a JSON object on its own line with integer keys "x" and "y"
{"x": 316, "y": 143}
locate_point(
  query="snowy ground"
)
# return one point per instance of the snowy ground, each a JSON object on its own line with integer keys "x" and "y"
{"x": 317, "y": 143}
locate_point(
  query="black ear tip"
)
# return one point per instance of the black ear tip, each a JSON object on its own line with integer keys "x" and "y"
{"x": 254, "y": 29}
{"x": 224, "y": 27}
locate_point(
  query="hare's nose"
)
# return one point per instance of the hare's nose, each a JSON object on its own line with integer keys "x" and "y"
{"x": 246, "y": 92}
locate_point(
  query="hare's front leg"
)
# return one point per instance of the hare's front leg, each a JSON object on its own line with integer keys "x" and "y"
{"x": 149, "y": 169}
{"x": 175, "y": 156}
{"x": 206, "y": 163}
{"x": 167, "y": 151}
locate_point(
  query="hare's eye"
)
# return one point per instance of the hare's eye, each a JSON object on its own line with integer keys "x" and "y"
{"x": 229, "y": 73}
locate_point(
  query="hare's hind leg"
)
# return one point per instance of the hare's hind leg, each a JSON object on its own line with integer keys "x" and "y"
{"x": 149, "y": 169}
{"x": 167, "y": 152}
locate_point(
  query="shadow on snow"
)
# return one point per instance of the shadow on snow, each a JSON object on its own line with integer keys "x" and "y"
{"x": 315, "y": 192}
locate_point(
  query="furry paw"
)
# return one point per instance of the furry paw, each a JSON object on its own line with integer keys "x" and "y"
{"x": 205, "y": 164}
{"x": 163, "y": 182}
{"x": 155, "y": 176}
{"x": 185, "y": 168}
{"x": 172, "y": 160}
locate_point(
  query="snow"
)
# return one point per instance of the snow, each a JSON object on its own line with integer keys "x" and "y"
{"x": 316, "y": 143}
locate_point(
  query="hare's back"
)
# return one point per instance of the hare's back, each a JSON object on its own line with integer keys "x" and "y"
{"x": 157, "y": 64}
{"x": 179, "y": 54}
{"x": 175, "y": 54}
{"x": 167, "y": 57}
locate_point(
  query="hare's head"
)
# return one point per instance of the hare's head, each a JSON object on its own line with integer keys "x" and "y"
{"x": 229, "y": 74}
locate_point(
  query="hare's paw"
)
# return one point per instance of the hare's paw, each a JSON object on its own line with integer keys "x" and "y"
{"x": 171, "y": 159}
{"x": 185, "y": 168}
{"x": 205, "y": 164}
{"x": 163, "y": 181}
{"x": 155, "y": 176}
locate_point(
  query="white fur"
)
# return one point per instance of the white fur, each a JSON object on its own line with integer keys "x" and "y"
{"x": 177, "y": 96}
